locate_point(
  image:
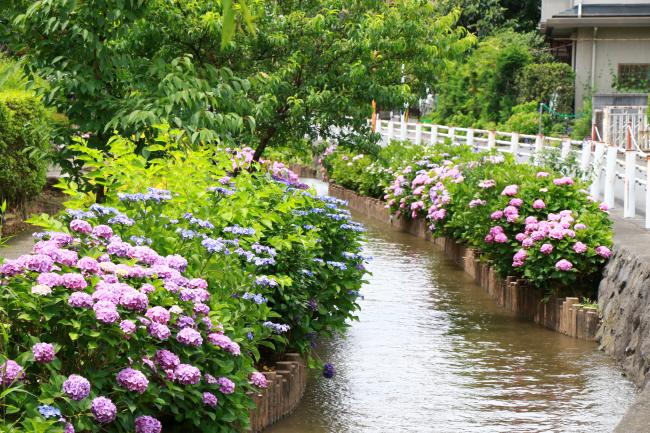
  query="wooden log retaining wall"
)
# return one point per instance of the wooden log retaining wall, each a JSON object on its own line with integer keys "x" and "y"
{"x": 513, "y": 294}
{"x": 286, "y": 386}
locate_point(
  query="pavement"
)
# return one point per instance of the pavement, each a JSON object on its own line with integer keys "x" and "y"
{"x": 18, "y": 245}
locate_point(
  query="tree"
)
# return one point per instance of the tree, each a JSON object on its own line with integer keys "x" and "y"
{"x": 487, "y": 17}
{"x": 316, "y": 64}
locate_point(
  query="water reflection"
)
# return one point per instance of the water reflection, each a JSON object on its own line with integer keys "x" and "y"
{"x": 432, "y": 353}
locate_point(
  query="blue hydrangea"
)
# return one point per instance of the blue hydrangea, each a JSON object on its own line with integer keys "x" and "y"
{"x": 80, "y": 214}
{"x": 47, "y": 411}
{"x": 338, "y": 265}
{"x": 265, "y": 281}
{"x": 213, "y": 245}
{"x": 122, "y": 220}
{"x": 240, "y": 231}
{"x": 277, "y": 328}
{"x": 255, "y": 297}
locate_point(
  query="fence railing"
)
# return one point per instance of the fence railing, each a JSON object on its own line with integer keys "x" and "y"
{"x": 620, "y": 174}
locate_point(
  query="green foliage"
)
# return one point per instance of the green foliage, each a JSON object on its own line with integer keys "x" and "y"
{"x": 317, "y": 65}
{"x": 551, "y": 83}
{"x": 505, "y": 71}
{"x": 24, "y": 146}
{"x": 486, "y": 17}
{"x": 582, "y": 125}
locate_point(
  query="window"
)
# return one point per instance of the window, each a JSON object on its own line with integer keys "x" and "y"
{"x": 633, "y": 76}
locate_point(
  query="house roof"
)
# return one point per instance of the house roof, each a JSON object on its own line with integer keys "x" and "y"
{"x": 598, "y": 15}
{"x": 608, "y": 10}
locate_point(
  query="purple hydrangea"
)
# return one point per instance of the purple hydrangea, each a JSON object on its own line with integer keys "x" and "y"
{"x": 159, "y": 331}
{"x": 76, "y": 387}
{"x": 49, "y": 279}
{"x": 10, "y": 371}
{"x": 167, "y": 360}
{"x": 210, "y": 379}
{"x": 133, "y": 380}
{"x": 226, "y": 385}
{"x": 68, "y": 428}
{"x": 134, "y": 300}
{"x": 185, "y": 322}
{"x": 328, "y": 371}
{"x": 103, "y": 410}
{"x": 80, "y": 300}
{"x": 73, "y": 281}
{"x": 106, "y": 312}
{"x": 189, "y": 337}
{"x": 201, "y": 308}
{"x": 147, "y": 424}
{"x": 103, "y": 231}
{"x": 158, "y": 314}
{"x": 43, "y": 352}
{"x": 88, "y": 265}
{"x": 128, "y": 327}
{"x": 210, "y": 399}
{"x": 81, "y": 226}
{"x": 187, "y": 374}
{"x": 258, "y": 379}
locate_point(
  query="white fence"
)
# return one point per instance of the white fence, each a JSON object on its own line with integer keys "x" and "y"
{"x": 621, "y": 174}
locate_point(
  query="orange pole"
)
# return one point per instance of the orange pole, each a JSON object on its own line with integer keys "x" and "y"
{"x": 374, "y": 116}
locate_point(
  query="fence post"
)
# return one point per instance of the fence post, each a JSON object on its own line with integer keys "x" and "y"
{"x": 566, "y": 147}
{"x": 539, "y": 144}
{"x": 610, "y": 176}
{"x": 492, "y": 140}
{"x": 514, "y": 144}
{"x": 597, "y": 166}
{"x": 434, "y": 134}
{"x": 391, "y": 130}
{"x": 378, "y": 126}
{"x": 647, "y": 192}
{"x": 451, "y": 133}
{"x": 470, "y": 137}
{"x": 403, "y": 130}
{"x": 629, "y": 199}
{"x": 418, "y": 133}
{"x": 585, "y": 155}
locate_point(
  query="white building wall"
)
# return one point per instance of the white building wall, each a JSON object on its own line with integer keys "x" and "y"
{"x": 613, "y": 46}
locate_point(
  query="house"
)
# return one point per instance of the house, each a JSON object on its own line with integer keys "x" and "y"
{"x": 608, "y": 45}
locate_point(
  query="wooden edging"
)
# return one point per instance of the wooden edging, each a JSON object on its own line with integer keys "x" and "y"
{"x": 286, "y": 386}
{"x": 562, "y": 315}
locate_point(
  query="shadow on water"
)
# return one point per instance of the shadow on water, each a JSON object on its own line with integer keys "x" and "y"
{"x": 432, "y": 353}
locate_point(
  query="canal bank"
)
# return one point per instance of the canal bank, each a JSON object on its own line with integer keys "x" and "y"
{"x": 433, "y": 353}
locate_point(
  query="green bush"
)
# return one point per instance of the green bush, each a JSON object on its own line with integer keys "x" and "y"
{"x": 24, "y": 145}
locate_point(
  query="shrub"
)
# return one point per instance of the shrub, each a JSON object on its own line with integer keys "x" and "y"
{"x": 24, "y": 146}
{"x": 281, "y": 267}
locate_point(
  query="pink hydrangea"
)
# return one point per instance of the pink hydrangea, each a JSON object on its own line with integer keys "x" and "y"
{"x": 103, "y": 231}
{"x": 546, "y": 249}
{"x": 579, "y": 248}
{"x": 566, "y": 180}
{"x": 539, "y": 204}
{"x": 80, "y": 300}
{"x": 510, "y": 190}
{"x": 516, "y": 202}
{"x": 541, "y": 174}
{"x": 159, "y": 331}
{"x": 49, "y": 279}
{"x": 564, "y": 265}
{"x": 496, "y": 215}
{"x": 500, "y": 238}
{"x": 603, "y": 251}
{"x": 88, "y": 265}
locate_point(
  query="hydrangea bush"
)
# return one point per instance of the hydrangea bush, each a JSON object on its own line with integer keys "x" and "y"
{"x": 529, "y": 221}
{"x": 157, "y": 307}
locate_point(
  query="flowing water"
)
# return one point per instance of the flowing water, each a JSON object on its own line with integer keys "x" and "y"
{"x": 432, "y": 353}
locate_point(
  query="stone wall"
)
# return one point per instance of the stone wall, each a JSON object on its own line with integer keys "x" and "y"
{"x": 514, "y": 295}
{"x": 624, "y": 300}
{"x": 286, "y": 386}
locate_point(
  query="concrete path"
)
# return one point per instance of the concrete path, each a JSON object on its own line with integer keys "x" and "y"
{"x": 19, "y": 244}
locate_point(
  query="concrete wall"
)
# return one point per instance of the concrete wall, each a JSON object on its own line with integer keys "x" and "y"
{"x": 552, "y": 7}
{"x": 613, "y": 46}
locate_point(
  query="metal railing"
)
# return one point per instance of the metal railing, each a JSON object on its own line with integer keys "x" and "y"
{"x": 617, "y": 170}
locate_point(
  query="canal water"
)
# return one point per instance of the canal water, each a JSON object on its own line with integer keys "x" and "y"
{"x": 432, "y": 353}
